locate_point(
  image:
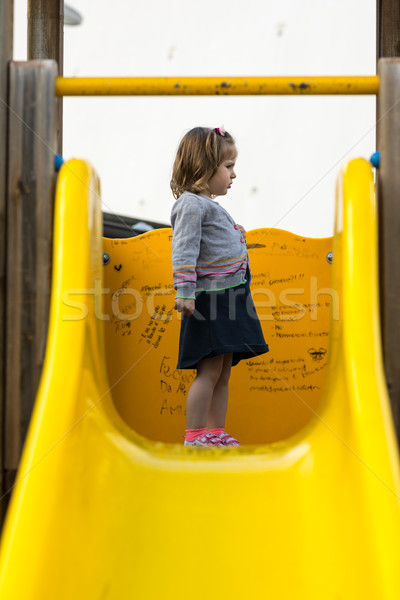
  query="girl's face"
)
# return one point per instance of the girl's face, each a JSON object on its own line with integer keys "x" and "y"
{"x": 221, "y": 181}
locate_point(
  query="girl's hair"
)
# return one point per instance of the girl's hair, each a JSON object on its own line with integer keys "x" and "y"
{"x": 199, "y": 155}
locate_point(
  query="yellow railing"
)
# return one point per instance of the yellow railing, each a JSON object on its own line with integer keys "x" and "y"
{"x": 209, "y": 86}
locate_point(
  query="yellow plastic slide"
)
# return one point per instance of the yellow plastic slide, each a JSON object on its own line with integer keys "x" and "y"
{"x": 109, "y": 504}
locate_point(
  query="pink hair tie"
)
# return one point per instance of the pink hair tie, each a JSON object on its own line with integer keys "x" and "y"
{"x": 220, "y": 130}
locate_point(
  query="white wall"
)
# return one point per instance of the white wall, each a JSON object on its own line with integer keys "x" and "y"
{"x": 290, "y": 148}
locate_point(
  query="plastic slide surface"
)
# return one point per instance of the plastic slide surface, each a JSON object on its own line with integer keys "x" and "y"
{"x": 101, "y": 511}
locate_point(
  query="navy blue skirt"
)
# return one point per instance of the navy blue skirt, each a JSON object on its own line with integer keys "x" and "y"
{"x": 223, "y": 321}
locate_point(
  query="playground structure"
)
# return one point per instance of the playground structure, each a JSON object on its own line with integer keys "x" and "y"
{"x": 309, "y": 506}
{"x": 323, "y": 490}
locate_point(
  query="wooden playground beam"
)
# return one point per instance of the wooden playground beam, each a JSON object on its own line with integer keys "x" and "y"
{"x": 31, "y": 147}
{"x": 6, "y": 50}
{"x": 388, "y": 183}
{"x": 46, "y": 42}
{"x": 387, "y": 28}
{"x": 223, "y": 86}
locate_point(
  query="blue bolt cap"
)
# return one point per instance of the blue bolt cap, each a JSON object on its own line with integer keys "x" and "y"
{"x": 375, "y": 159}
{"x": 58, "y": 162}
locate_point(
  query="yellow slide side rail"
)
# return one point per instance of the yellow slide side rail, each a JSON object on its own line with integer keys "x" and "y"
{"x": 209, "y": 86}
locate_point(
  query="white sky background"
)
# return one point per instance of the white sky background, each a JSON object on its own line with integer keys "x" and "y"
{"x": 290, "y": 148}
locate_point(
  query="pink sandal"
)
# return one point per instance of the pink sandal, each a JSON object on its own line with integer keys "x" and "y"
{"x": 228, "y": 440}
{"x": 208, "y": 439}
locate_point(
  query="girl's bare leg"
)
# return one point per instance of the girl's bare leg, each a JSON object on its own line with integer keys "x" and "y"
{"x": 219, "y": 400}
{"x": 201, "y": 391}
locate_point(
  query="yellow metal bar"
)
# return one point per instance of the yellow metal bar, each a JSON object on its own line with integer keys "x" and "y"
{"x": 209, "y": 86}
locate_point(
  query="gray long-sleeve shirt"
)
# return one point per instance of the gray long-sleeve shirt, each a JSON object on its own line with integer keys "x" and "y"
{"x": 208, "y": 249}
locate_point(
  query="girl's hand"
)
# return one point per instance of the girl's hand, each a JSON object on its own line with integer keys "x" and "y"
{"x": 242, "y": 230}
{"x": 185, "y": 306}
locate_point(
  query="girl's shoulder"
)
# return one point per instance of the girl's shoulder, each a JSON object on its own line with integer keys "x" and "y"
{"x": 190, "y": 201}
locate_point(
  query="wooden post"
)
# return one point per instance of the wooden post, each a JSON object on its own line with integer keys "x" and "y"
{"x": 388, "y": 135}
{"x": 31, "y": 180}
{"x": 388, "y": 28}
{"x": 6, "y": 48}
{"x": 388, "y": 183}
{"x": 46, "y": 41}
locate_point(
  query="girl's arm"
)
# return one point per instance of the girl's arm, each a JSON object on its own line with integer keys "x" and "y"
{"x": 186, "y": 219}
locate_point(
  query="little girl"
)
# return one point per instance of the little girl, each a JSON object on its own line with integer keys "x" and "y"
{"x": 211, "y": 274}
